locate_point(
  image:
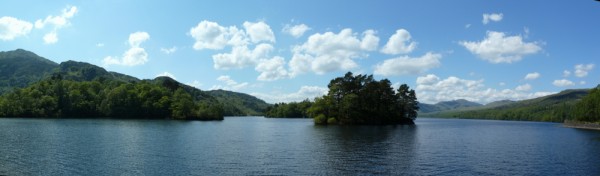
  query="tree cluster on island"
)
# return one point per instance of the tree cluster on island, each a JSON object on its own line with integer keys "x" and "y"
{"x": 356, "y": 100}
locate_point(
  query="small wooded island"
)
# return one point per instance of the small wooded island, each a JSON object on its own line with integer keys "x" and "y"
{"x": 356, "y": 100}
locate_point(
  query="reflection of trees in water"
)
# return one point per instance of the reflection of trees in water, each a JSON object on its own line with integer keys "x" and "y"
{"x": 366, "y": 149}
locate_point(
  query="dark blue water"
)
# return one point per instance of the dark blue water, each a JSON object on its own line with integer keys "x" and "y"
{"x": 259, "y": 146}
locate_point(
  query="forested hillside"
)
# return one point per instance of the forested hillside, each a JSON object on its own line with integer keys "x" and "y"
{"x": 32, "y": 86}
{"x": 19, "y": 68}
{"x": 551, "y": 108}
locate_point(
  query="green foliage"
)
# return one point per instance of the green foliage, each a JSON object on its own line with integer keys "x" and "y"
{"x": 239, "y": 104}
{"x": 289, "y": 110}
{"x": 588, "y": 109}
{"x": 331, "y": 120}
{"x": 320, "y": 119}
{"x": 66, "y": 98}
{"x": 361, "y": 100}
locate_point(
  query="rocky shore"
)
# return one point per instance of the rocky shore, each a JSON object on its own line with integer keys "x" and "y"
{"x": 582, "y": 125}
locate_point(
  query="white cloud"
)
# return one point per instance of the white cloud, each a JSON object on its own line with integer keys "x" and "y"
{"x": 300, "y": 63}
{"x": 329, "y": 52}
{"x": 210, "y": 35}
{"x": 230, "y": 84}
{"x": 11, "y": 28}
{"x": 562, "y": 83}
{"x": 399, "y": 43}
{"x": 296, "y": 31}
{"x": 582, "y": 70}
{"x": 495, "y": 17}
{"x": 241, "y": 56}
{"x": 566, "y": 73}
{"x": 432, "y": 89}
{"x": 582, "y": 82}
{"x": 408, "y": 66}
{"x": 498, "y": 48}
{"x": 167, "y": 74}
{"x": 50, "y": 38}
{"x": 370, "y": 41}
{"x": 135, "y": 55}
{"x": 305, "y": 92}
{"x": 532, "y": 76}
{"x": 111, "y": 60}
{"x": 136, "y": 38}
{"x": 272, "y": 69}
{"x": 168, "y": 50}
{"x": 467, "y": 26}
{"x": 100, "y": 45}
{"x": 259, "y": 31}
{"x": 524, "y": 87}
{"x": 502, "y": 84}
{"x": 56, "y": 22}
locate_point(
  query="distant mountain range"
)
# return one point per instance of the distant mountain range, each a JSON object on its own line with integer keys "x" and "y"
{"x": 20, "y": 68}
{"x": 554, "y": 108}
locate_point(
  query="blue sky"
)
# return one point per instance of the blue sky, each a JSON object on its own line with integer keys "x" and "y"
{"x": 481, "y": 51}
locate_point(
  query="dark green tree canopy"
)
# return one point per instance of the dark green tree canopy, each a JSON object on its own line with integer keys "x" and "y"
{"x": 362, "y": 100}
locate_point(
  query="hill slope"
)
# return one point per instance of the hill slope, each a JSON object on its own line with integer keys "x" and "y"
{"x": 235, "y": 103}
{"x": 553, "y": 108}
{"x": 21, "y": 68}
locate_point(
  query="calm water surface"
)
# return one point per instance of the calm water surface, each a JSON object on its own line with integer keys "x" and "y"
{"x": 259, "y": 146}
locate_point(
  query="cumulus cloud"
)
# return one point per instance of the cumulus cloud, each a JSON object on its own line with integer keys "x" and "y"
{"x": 399, "y": 43}
{"x": 11, "y": 28}
{"x": 241, "y": 56}
{"x": 259, "y": 31}
{"x": 582, "y": 70}
{"x": 230, "y": 84}
{"x": 305, "y": 92}
{"x": 297, "y": 30}
{"x": 499, "y": 48}
{"x": 432, "y": 89}
{"x": 167, "y": 74}
{"x": 56, "y": 22}
{"x": 168, "y": 50}
{"x": 495, "y": 17}
{"x": 408, "y": 66}
{"x": 50, "y": 38}
{"x": 135, "y": 55}
{"x": 532, "y": 76}
{"x": 563, "y": 83}
{"x": 211, "y": 35}
{"x": 524, "y": 87}
{"x": 329, "y": 51}
{"x": 370, "y": 41}
{"x": 272, "y": 69}
{"x": 136, "y": 38}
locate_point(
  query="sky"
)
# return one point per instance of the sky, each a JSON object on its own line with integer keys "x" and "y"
{"x": 282, "y": 51}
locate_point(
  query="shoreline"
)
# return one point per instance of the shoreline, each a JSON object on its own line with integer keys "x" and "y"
{"x": 582, "y": 125}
